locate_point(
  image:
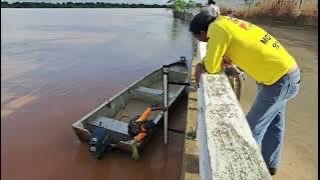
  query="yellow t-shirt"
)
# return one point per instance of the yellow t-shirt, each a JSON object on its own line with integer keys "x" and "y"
{"x": 249, "y": 47}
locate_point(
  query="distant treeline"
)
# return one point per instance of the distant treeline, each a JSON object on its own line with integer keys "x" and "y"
{"x": 5, "y": 4}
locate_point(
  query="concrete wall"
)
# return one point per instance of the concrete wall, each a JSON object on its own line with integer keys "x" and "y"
{"x": 227, "y": 149}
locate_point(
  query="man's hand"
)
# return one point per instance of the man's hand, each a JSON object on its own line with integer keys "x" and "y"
{"x": 200, "y": 69}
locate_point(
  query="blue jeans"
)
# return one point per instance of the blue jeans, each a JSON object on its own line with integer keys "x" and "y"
{"x": 266, "y": 116}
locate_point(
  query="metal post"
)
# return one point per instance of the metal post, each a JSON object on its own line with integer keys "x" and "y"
{"x": 165, "y": 103}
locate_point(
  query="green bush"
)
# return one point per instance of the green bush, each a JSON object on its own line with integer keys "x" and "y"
{"x": 180, "y": 5}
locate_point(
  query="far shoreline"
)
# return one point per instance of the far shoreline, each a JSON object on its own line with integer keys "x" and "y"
{"x": 38, "y": 5}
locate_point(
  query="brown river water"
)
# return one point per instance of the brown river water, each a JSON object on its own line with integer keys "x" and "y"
{"x": 59, "y": 64}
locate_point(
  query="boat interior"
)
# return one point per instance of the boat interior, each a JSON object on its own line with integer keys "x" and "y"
{"x": 116, "y": 113}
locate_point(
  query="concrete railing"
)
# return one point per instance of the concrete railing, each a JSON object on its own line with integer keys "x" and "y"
{"x": 227, "y": 149}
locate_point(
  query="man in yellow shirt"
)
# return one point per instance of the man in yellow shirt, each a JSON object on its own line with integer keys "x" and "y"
{"x": 263, "y": 58}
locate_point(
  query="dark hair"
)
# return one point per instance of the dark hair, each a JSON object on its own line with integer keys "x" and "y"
{"x": 201, "y": 22}
{"x": 212, "y": 2}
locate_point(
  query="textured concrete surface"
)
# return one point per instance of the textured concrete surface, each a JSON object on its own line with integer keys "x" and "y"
{"x": 227, "y": 148}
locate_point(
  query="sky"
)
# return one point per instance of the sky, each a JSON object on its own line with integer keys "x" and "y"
{"x": 109, "y": 1}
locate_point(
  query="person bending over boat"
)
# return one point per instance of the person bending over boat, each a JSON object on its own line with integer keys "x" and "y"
{"x": 262, "y": 57}
{"x": 212, "y": 8}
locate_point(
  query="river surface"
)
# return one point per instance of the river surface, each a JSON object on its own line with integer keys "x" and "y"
{"x": 59, "y": 64}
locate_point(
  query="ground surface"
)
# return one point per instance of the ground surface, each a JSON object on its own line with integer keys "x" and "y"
{"x": 299, "y": 157}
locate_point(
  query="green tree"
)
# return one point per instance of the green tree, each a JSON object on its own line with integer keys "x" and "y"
{"x": 179, "y": 5}
{"x": 4, "y": 4}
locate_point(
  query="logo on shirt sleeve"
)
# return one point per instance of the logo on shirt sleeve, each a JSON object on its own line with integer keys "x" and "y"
{"x": 243, "y": 26}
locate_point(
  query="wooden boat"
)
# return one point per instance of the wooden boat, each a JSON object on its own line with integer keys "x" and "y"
{"x": 114, "y": 115}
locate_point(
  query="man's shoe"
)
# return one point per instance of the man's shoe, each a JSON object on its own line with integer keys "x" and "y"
{"x": 272, "y": 171}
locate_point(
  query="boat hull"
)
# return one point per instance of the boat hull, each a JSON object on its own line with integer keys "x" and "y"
{"x": 114, "y": 114}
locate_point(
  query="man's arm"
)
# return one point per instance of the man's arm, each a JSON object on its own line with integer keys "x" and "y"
{"x": 198, "y": 71}
{"x": 218, "y": 43}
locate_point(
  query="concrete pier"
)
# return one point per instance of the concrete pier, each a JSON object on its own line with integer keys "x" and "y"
{"x": 227, "y": 149}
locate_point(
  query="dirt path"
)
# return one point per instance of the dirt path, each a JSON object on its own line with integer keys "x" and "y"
{"x": 299, "y": 157}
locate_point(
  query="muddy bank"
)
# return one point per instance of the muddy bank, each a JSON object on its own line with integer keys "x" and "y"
{"x": 302, "y": 20}
{"x": 308, "y": 21}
